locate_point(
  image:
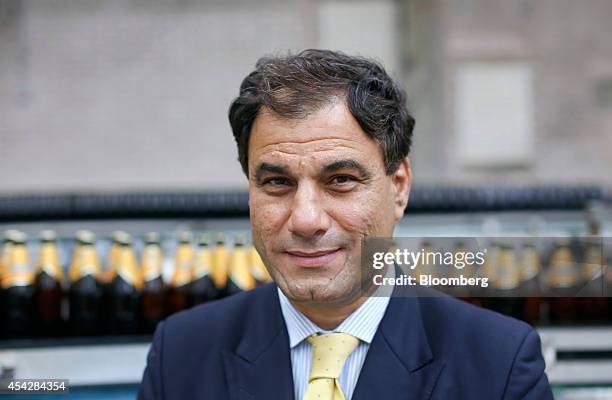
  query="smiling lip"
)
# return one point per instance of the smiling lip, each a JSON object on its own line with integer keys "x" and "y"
{"x": 312, "y": 259}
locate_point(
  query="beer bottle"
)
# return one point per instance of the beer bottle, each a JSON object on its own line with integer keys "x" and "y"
{"x": 5, "y": 257}
{"x": 592, "y": 305}
{"x": 177, "y": 293}
{"x": 113, "y": 255}
{"x": 530, "y": 267}
{"x": 107, "y": 275}
{"x": 220, "y": 264}
{"x": 7, "y": 246}
{"x": 562, "y": 281}
{"x": 506, "y": 284}
{"x": 429, "y": 264}
{"x": 18, "y": 290}
{"x": 488, "y": 271}
{"x": 470, "y": 294}
{"x": 202, "y": 287}
{"x": 608, "y": 281}
{"x": 125, "y": 290}
{"x": 258, "y": 268}
{"x": 240, "y": 278}
{"x": 85, "y": 293}
{"x": 451, "y": 271}
{"x": 454, "y": 271}
{"x": 49, "y": 290}
{"x": 153, "y": 287}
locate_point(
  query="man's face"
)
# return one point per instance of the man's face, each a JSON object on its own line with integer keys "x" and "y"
{"x": 317, "y": 186}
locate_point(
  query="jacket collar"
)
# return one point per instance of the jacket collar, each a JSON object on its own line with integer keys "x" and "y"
{"x": 260, "y": 367}
{"x": 399, "y": 363}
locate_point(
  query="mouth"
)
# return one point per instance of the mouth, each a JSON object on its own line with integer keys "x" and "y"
{"x": 312, "y": 259}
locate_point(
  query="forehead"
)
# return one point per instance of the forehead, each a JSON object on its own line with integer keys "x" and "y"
{"x": 328, "y": 133}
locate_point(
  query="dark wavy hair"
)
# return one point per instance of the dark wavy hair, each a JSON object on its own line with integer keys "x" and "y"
{"x": 294, "y": 86}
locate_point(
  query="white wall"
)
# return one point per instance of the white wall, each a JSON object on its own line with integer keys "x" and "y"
{"x": 132, "y": 94}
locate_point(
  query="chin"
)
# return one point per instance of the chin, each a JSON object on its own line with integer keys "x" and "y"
{"x": 310, "y": 293}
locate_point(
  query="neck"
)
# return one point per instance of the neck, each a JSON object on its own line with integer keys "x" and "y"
{"x": 328, "y": 316}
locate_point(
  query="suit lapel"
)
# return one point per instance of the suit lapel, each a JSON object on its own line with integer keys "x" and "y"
{"x": 260, "y": 367}
{"x": 399, "y": 363}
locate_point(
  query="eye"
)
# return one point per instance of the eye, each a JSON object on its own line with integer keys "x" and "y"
{"x": 342, "y": 180}
{"x": 276, "y": 181}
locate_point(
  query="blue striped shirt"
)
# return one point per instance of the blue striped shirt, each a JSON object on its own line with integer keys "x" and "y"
{"x": 362, "y": 324}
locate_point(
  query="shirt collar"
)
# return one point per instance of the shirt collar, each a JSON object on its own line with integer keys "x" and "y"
{"x": 362, "y": 323}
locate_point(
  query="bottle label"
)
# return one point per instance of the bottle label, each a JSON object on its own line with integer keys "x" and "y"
{"x": 507, "y": 278}
{"x": 488, "y": 269}
{"x": 19, "y": 275}
{"x": 151, "y": 262}
{"x": 220, "y": 266}
{"x": 18, "y": 272}
{"x": 562, "y": 273}
{"x": 592, "y": 268}
{"x": 5, "y": 259}
{"x": 110, "y": 271}
{"x": 85, "y": 263}
{"x": 49, "y": 262}
{"x": 203, "y": 264}
{"x": 507, "y": 272}
{"x": 182, "y": 265}
{"x": 240, "y": 273}
{"x": 182, "y": 276}
{"x": 127, "y": 269}
{"x": 530, "y": 266}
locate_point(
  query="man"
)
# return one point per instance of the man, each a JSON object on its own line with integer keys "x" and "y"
{"x": 323, "y": 139}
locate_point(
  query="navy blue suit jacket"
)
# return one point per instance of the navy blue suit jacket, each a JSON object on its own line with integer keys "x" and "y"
{"x": 425, "y": 348}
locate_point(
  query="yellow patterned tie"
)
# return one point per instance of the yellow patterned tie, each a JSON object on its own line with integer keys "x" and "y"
{"x": 329, "y": 353}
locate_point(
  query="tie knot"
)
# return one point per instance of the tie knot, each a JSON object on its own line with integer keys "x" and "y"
{"x": 329, "y": 353}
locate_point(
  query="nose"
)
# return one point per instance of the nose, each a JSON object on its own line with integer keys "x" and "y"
{"x": 308, "y": 218}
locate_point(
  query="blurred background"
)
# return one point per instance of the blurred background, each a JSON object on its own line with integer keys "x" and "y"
{"x": 133, "y": 94}
{"x": 113, "y": 117}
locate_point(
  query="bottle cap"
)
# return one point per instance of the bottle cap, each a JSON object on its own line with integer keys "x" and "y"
{"x": 48, "y": 236}
{"x": 204, "y": 239}
{"x": 152, "y": 238}
{"x": 9, "y": 235}
{"x": 86, "y": 237}
{"x": 118, "y": 236}
{"x": 185, "y": 237}
{"x": 125, "y": 239}
{"x": 239, "y": 240}
{"x": 20, "y": 237}
{"x": 220, "y": 238}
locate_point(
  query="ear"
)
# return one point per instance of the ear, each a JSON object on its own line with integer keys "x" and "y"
{"x": 402, "y": 182}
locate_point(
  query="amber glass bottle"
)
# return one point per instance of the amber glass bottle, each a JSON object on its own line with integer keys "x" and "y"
{"x": 153, "y": 283}
{"x": 49, "y": 290}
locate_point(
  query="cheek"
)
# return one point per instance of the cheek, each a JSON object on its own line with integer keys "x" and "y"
{"x": 267, "y": 217}
{"x": 369, "y": 213}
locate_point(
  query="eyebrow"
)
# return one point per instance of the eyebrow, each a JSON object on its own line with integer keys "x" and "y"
{"x": 266, "y": 168}
{"x": 345, "y": 164}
